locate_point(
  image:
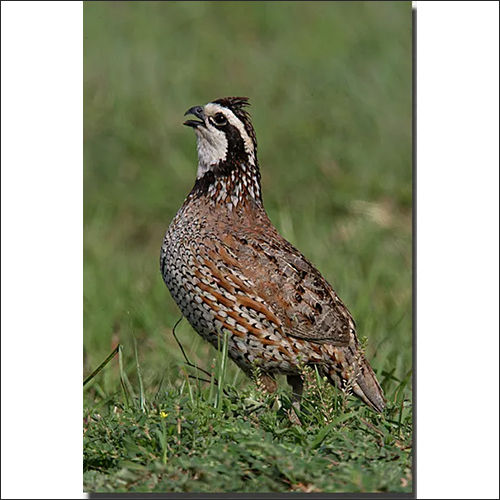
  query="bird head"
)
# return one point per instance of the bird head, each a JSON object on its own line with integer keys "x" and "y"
{"x": 224, "y": 133}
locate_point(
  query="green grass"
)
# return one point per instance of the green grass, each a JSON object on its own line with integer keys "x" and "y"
{"x": 223, "y": 438}
{"x": 330, "y": 86}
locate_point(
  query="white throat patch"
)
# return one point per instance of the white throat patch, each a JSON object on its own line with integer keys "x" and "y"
{"x": 212, "y": 143}
{"x": 212, "y": 148}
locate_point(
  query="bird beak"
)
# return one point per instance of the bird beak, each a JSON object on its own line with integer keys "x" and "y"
{"x": 198, "y": 112}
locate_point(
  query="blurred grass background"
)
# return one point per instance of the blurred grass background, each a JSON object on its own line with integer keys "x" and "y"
{"x": 330, "y": 87}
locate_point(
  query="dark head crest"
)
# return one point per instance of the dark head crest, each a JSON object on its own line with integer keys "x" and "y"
{"x": 237, "y": 105}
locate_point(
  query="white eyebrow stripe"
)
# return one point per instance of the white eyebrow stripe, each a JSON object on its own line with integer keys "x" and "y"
{"x": 212, "y": 108}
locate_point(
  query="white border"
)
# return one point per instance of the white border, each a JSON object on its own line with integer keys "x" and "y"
{"x": 457, "y": 249}
{"x": 42, "y": 249}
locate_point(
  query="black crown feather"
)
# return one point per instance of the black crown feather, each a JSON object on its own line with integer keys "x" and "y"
{"x": 236, "y": 105}
{"x": 233, "y": 103}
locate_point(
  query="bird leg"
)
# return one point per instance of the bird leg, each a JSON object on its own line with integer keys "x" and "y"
{"x": 297, "y": 389}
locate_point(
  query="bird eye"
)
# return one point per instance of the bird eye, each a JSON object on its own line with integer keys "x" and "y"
{"x": 220, "y": 119}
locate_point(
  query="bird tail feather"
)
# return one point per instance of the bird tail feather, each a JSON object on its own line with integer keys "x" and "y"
{"x": 367, "y": 387}
{"x": 355, "y": 374}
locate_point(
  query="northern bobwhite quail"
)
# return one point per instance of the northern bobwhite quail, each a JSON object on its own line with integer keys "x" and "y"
{"x": 229, "y": 270}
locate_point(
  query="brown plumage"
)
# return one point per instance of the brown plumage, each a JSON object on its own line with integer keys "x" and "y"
{"x": 229, "y": 270}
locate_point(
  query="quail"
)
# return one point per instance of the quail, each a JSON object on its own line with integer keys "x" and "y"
{"x": 231, "y": 272}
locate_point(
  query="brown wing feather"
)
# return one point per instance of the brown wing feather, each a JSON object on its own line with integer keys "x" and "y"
{"x": 287, "y": 284}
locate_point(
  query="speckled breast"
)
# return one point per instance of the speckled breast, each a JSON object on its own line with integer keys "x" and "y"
{"x": 177, "y": 267}
{"x": 262, "y": 345}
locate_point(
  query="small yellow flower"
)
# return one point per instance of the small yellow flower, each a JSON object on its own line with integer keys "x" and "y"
{"x": 163, "y": 414}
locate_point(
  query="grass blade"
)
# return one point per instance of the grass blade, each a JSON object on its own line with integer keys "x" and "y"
{"x": 325, "y": 430}
{"x": 102, "y": 365}
{"x": 139, "y": 376}
{"x": 128, "y": 391}
{"x": 222, "y": 370}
